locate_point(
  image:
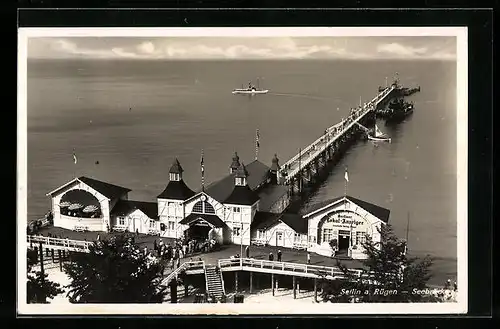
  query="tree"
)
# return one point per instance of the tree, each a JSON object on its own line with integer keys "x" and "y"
{"x": 115, "y": 270}
{"x": 389, "y": 274}
{"x": 39, "y": 288}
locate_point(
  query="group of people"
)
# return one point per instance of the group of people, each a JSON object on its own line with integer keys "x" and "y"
{"x": 180, "y": 249}
{"x": 279, "y": 255}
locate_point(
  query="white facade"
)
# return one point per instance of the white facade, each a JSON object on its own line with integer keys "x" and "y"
{"x": 280, "y": 235}
{"x": 170, "y": 213}
{"x": 136, "y": 221}
{"x": 81, "y": 223}
{"x": 345, "y": 222}
{"x": 237, "y": 217}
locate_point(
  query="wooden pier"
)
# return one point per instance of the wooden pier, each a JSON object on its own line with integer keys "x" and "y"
{"x": 311, "y": 159}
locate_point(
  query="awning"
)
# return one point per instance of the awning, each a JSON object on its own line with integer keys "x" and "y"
{"x": 75, "y": 206}
{"x": 212, "y": 220}
{"x": 90, "y": 208}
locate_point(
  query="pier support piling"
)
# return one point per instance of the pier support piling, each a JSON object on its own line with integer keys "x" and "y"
{"x": 272, "y": 282}
{"x": 251, "y": 283}
{"x": 236, "y": 281}
{"x": 315, "y": 289}
{"x": 52, "y": 255}
{"x": 59, "y": 256}
{"x": 294, "y": 283}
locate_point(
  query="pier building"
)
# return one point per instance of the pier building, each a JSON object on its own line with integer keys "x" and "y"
{"x": 247, "y": 206}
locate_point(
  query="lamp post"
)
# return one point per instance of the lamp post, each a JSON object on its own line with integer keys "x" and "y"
{"x": 241, "y": 242}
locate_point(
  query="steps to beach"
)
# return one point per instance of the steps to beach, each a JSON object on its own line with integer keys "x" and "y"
{"x": 214, "y": 282}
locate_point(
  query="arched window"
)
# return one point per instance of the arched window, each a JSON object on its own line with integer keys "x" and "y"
{"x": 203, "y": 207}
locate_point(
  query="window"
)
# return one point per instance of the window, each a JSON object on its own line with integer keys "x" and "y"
{"x": 203, "y": 207}
{"x": 261, "y": 234}
{"x": 296, "y": 237}
{"x": 312, "y": 238}
{"x": 152, "y": 223}
{"x": 121, "y": 221}
{"x": 209, "y": 209}
{"x": 198, "y": 207}
{"x": 327, "y": 234}
{"x": 236, "y": 231}
{"x": 171, "y": 225}
{"x": 236, "y": 209}
{"x": 239, "y": 181}
{"x": 360, "y": 237}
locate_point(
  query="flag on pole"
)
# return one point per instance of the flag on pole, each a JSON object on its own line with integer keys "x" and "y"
{"x": 346, "y": 175}
{"x": 257, "y": 138}
{"x": 202, "y": 172}
{"x": 75, "y": 160}
{"x": 202, "y": 163}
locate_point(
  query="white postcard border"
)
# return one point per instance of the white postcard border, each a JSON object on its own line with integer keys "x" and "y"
{"x": 273, "y": 308}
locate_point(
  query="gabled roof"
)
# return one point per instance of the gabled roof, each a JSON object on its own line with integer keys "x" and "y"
{"x": 296, "y": 222}
{"x": 214, "y": 220}
{"x": 242, "y": 195}
{"x": 269, "y": 194}
{"x": 125, "y": 207}
{"x": 176, "y": 190}
{"x": 257, "y": 174}
{"x": 377, "y": 211}
{"x": 264, "y": 220}
{"x": 110, "y": 191}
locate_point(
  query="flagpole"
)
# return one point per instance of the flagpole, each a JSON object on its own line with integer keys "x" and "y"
{"x": 300, "y": 171}
{"x": 257, "y": 144}
{"x": 202, "y": 172}
{"x": 407, "y": 231}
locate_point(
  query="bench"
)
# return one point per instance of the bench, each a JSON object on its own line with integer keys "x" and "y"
{"x": 260, "y": 243}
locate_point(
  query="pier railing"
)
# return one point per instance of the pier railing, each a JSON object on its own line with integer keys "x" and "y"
{"x": 58, "y": 243}
{"x": 198, "y": 265}
{"x": 284, "y": 268}
{"x": 331, "y": 135}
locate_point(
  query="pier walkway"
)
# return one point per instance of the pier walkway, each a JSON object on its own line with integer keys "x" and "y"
{"x": 310, "y": 153}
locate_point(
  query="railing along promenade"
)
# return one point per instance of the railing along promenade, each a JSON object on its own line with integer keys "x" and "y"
{"x": 58, "y": 243}
{"x": 331, "y": 135}
{"x": 284, "y": 268}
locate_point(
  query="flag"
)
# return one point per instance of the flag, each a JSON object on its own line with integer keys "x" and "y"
{"x": 75, "y": 160}
{"x": 257, "y": 138}
{"x": 346, "y": 175}
{"x": 202, "y": 163}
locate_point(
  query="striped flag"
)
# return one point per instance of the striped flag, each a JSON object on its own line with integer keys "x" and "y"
{"x": 257, "y": 136}
{"x": 346, "y": 175}
{"x": 75, "y": 160}
{"x": 202, "y": 163}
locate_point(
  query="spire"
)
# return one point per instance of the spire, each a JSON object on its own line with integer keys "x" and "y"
{"x": 176, "y": 171}
{"x": 241, "y": 176}
{"x": 235, "y": 164}
{"x": 275, "y": 163}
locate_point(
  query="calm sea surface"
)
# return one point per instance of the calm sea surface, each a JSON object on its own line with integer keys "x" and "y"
{"x": 179, "y": 108}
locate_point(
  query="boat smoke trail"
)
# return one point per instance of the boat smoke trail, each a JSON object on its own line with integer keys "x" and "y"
{"x": 306, "y": 96}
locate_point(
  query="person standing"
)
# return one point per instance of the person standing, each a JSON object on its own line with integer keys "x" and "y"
{"x": 178, "y": 262}
{"x": 279, "y": 255}
{"x": 247, "y": 252}
{"x": 308, "y": 258}
{"x": 271, "y": 256}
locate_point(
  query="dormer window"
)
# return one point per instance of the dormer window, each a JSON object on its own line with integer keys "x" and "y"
{"x": 175, "y": 177}
{"x": 240, "y": 181}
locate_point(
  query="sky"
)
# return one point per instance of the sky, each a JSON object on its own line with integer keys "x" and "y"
{"x": 218, "y": 48}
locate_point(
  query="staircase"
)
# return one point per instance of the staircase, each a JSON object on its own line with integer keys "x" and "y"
{"x": 214, "y": 282}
